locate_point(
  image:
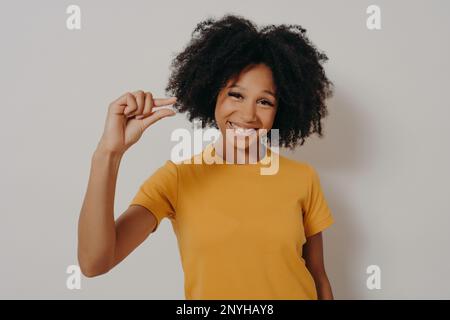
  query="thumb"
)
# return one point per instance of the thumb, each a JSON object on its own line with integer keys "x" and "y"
{"x": 157, "y": 115}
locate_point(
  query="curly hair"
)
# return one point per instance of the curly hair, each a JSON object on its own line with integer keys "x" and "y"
{"x": 220, "y": 49}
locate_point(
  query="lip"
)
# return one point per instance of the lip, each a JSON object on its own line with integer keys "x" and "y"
{"x": 230, "y": 125}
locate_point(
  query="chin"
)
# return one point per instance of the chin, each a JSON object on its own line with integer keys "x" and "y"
{"x": 248, "y": 141}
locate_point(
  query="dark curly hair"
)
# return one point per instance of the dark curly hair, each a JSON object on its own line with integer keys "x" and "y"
{"x": 220, "y": 49}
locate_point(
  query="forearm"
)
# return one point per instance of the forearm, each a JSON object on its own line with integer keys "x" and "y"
{"x": 323, "y": 288}
{"x": 96, "y": 229}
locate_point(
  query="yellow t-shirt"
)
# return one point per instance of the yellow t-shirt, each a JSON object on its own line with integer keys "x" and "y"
{"x": 239, "y": 233}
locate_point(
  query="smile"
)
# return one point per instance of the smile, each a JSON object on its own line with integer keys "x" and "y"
{"x": 241, "y": 131}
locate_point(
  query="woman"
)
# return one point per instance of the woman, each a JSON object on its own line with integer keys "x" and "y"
{"x": 241, "y": 234}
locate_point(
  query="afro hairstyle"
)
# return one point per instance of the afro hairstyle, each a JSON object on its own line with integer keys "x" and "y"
{"x": 220, "y": 49}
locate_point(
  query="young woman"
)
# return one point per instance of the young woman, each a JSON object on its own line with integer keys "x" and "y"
{"x": 241, "y": 234}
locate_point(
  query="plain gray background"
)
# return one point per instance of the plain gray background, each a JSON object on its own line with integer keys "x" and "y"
{"x": 384, "y": 161}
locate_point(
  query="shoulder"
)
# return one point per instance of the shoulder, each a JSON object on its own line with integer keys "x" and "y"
{"x": 165, "y": 173}
{"x": 292, "y": 166}
{"x": 168, "y": 166}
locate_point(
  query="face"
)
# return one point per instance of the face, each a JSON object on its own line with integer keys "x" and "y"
{"x": 246, "y": 105}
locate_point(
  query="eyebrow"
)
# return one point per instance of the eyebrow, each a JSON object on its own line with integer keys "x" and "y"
{"x": 266, "y": 91}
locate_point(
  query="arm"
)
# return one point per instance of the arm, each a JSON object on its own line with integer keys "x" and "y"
{"x": 313, "y": 255}
{"x": 102, "y": 241}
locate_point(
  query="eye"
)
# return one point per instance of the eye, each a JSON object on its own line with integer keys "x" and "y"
{"x": 237, "y": 95}
{"x": 267, "y": 103}
{"x": 234, "y": 94}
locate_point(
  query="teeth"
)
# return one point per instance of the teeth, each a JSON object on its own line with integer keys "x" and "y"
{"x": 242, "y": 131}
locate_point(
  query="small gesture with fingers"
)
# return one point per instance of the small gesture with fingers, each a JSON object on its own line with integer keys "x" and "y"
{"x": 129, "y": 116}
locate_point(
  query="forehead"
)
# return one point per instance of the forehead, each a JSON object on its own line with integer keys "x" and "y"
{"x": 257, "y": 77}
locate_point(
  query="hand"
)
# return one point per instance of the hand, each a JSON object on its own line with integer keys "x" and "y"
{"x": 129, "y": 116}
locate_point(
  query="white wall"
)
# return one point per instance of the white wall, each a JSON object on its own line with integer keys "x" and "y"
{"x": 383, "y": 162}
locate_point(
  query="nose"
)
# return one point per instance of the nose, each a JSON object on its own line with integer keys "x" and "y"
{"x": 248, "y": 112}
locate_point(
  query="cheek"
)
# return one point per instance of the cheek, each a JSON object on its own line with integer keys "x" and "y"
{"x": 223, "y": 110}
{"x": 221, "y": 114}
{"x": 268, "y": 118}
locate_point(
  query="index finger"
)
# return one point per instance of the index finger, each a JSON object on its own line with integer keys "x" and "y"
{"x": 122, "y": 100}
{"x": 164, "y": 101}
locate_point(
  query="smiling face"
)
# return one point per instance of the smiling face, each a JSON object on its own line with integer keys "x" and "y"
{"x": 247, "y": 104}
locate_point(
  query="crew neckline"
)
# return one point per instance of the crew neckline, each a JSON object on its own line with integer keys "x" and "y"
{"x": 210, "y": 149}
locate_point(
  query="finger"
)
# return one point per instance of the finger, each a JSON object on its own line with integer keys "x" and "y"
{"x": 148, "y": 106}
{"x": 118, "y": 105}
{"x": 157, "y": 115}
{"x": 140, "y": 98}
{"x": 131, "y": 104}
{"x": 164, "y": 101}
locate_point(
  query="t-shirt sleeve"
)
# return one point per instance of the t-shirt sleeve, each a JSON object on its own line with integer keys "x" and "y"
{"x": 158, "y": 193}
{"x": 316, "y": 213}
